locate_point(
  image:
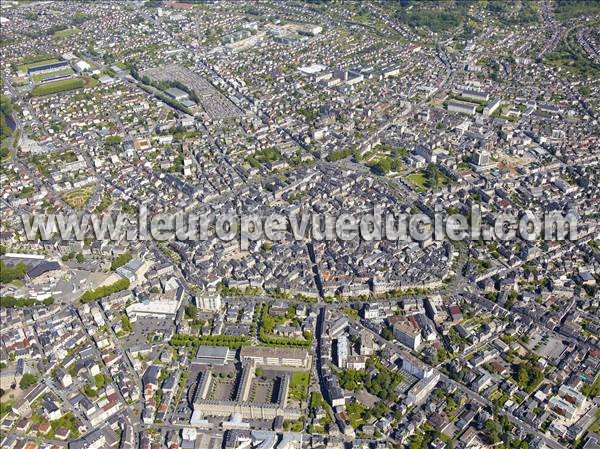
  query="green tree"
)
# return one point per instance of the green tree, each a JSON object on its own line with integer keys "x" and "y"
{"x": 191, "y": 311}
{"x": 27, "y": 381}
{"x": 120, "y": 260}
{"x": 9, "y": 274}
{"x": 100, "y": 381}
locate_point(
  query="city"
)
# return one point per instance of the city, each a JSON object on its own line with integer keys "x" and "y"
{"x": 264, "y": 108}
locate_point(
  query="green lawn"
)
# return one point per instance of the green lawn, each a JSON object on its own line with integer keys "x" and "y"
{"x": 419, "y": 180}
{"x": 90, "y": 82}
{"x": 78, "y": 198}
{"x": 299, "y": 385}
{"x": 58, "y": 86}
{"x": 66, "y": 33}
{"x": 350, "y": 312}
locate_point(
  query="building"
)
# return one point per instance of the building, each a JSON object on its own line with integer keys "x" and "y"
{"x": 242, "y": 406}
{"x": 310, "y": 30}
{"x": 236, "y": 36}
{"x": 335, "y": 395}
{"x": 208, "y": 302}
{"x": 406, "y": 331}
{"x": 481, "y": 158}
{"x": 416, "y": 367}
{"x": 337, "y": 327}
{"x": 390, "y": 71}
{"x": 44, "y": 68}
{"x": 246, "y": 410}
{"x": 55, "y": 77}
{"x": 474, "y": 94}
{"x": 177, "y": 94}
{"x": 561, "y": 407}
{"x": 42, "y": 268}
{"x": 421, "y": 389}
{"x": 64, "y": 377}
{"x": 371, "y": 311}
{"x": 132, "y": 270}
{"x": 342, "y": 348}
{"x": 492, "y": 106}
{"x": 571, "y": 395}
{"x": 434, "y": 308}
{"x": 593, "y": 441}
{"x": 462, "y": 107}
{"x": 213, "y": 355}
{"x": 263, "y": 355}
{"x": 82, "y": 66}
{"x": 366, "y": 345}
{"x": 159, "y": 308}
{"x": 93, "y": 440}
{"x": 455, "y": 313}
{"x": 426, "y": 153}
{"x": 356, "y": 362}
{"x": 189, "y": 434}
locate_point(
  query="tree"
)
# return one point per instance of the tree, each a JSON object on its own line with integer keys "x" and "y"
{"x": 100, "y": 380}
{"x": 492, "y": 430}
{"x": 27, "y": 381}
{"x": 450, "y": 404}
{"x": 89, "y": 391}
{"x": 431, "y": 357}
{"x": 387, "y": 333}
{"x": 442, "y": 354}
{"x": 593, "y": 390}
{"x": 112, "y": 141}
{"x": 9, "y": 274}
{"x": 120, "y": 260}
{"x": 191, "y": 311}
{"x": 523, "y": 377}
{"x": 434, "y": 176}
{"x": 106, "y": 290}
{"x": 126, "y": 323}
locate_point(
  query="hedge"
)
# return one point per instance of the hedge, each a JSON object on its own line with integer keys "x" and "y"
{"x": 106, "y": 290}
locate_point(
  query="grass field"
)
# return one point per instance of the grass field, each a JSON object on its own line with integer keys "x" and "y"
{"x": 418, "y": 180}
{"x": 90, "y": 82}
{"x": 78, "y": 198}
{"x": 66, "y": 33}
{"x": 40, "y": 76}
{"x": 58, "y": 86}
{"x": 299, "y": 385}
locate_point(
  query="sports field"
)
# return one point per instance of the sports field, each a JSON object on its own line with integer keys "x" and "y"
{"x": 57, "y": 86}
{"x": 66, "y": 33}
